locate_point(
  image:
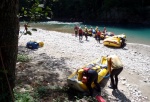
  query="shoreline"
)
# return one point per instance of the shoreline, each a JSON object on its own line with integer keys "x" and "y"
{"x": 69, "y": 29}
{"x": 73, "y": 54}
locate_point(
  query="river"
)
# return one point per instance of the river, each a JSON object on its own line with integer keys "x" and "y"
{"x": 135, "y": 34}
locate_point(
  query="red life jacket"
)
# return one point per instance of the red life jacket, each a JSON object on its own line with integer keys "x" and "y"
{"x": 80, "y": 31}
{"x": 98, "y": 33}
{"x": 85, "y": 71}
{"x": 85, "y": 75}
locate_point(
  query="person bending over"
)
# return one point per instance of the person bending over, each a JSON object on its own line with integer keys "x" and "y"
{"x": 91, "y": 76}
{"x": 115, "y": 67}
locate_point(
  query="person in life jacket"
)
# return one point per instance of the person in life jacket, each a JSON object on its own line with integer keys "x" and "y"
{"x": 115, "y": 67}
{"x": 87, "y": 76}
{"x": 80, "y": 34}
{"x": 98, "y": 36}
{"x": 96, "y": 29}
{"x": 76, "y": 28}
{"x": 90, "y": 31}
{"x": 86, "y": 33}
{"x": 104, "y": 30}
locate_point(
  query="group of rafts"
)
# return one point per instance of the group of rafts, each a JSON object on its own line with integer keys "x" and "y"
{"x": 110, "y": 39}
{"x": 100, "y": 64}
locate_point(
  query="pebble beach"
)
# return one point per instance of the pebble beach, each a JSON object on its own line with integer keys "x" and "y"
{"x": 62, "y": 53}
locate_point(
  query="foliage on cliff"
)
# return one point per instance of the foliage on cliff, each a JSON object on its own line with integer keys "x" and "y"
{"x": 133, "y": 11}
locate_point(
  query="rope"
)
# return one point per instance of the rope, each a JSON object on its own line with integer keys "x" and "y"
{"x": 107, "y": 76}
{"x": 6, "y": 76}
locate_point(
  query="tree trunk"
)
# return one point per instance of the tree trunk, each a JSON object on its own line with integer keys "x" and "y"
{"x": 9, "y": 30}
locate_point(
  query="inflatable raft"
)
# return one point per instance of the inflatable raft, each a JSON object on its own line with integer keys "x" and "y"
{"x": 100, "y": 65}
{"x": 115, "y": 41}
{"x": 112, "y": 41}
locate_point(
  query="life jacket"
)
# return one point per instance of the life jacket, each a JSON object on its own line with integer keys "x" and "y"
{"x": 85, "y": 72}
{"x": 85, "y": 75}
{"x": 86, "y": 30}
{"x": 76, "y": 28}
{"x": 80, "y": 31}
{"x": 98, "y": 33}
{"x": 90, "y": 31}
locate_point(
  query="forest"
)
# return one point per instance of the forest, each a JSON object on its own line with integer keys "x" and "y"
{"x": 107, "y": 11}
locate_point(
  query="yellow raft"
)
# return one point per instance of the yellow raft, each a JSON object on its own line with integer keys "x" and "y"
{"x": 112, "y": 41}
{"x": 100, "y": 65}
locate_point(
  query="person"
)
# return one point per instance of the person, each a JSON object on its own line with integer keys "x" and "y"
{"x": 96, "y": 29}
{"x": 90, "y": 31}
{"x": 115, "y": 67}
{"x": 86, "y": 33}
{"x": 98, "y": 36}
{"x": 91, "y": 75}
{"x": 122, "y": 42}
{"x": 26, "y": 27}
{"x": 94, "y": 33}
{"x": 104, "y": 31}
{"x": 80, "y": 33}
{"x": 76, "y": 30}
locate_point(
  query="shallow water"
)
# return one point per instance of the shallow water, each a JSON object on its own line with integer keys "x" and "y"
{"x": 135, "y": 34}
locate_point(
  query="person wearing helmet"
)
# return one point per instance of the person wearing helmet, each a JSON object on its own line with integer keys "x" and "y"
{"x": 98, "y": 36}
{"x": 88, "y": 76}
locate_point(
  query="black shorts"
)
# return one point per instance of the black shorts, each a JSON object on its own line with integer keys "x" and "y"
{"x": 76, "y": 32}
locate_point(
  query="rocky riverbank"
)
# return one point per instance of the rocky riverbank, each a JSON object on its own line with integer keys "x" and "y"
{"x": 63, "y": 53}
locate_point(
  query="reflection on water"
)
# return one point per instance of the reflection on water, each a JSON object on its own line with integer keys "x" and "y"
{"x": 135, "y": 34}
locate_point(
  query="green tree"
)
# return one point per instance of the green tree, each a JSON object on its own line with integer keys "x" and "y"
{"x": 9, "y": 30}
{"x": 34, "y": 10}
